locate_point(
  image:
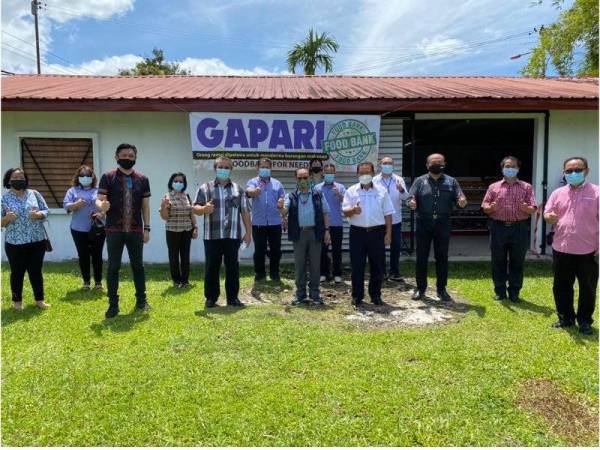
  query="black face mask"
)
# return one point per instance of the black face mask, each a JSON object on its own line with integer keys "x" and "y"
{"x": 18, "y": 185}
{"x": 436, "y": 168}
{"x": 126, "y": 163}
{"x": 316, "y": 169}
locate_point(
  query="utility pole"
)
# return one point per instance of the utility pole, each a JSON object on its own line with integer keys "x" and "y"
{"x": 35, "y": 7}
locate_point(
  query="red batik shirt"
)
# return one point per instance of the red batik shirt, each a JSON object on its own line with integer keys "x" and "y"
{"x": 509, "y": 199}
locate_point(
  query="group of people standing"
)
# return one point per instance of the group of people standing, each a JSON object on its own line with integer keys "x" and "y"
{"x": 117, "y": 212}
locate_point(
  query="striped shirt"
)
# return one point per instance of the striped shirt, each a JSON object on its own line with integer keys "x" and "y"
{"x": 180, "y": 212}
{"x": 230, "y": 202}
{"x": 509, "y": 198}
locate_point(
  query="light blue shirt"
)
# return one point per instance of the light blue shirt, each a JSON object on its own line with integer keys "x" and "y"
{"x": 306, "y": 211}
{"x": 82, "y": 218}
{"x": 333, "y": 201}
{"x": 24, "y": 230}
{"x": 264, "y": 207}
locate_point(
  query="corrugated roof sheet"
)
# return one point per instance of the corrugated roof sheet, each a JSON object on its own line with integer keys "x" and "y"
{"x": 58, "y": 87}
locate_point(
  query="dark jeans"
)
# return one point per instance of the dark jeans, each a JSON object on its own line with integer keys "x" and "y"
{"x": 367, "y": 244}
{"x": 115, "y": 242}
{"x": 336, "y": 234}
{"x": 263, "y": 235}
{"x": 567, "y": 267}
{"x": 215, "y": 251}
{"x": 26, "y": 258}
{"x": 509, "y": 246}
{"x": 438, "y": 232}
{"x": 179, "y": 244}
{"x": 395, "y": 249}
{"x": 89, "y": 249}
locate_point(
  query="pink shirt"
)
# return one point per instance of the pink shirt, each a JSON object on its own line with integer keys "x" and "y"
{"x": 509, "y": 198}
{"x": 576, "y": 231}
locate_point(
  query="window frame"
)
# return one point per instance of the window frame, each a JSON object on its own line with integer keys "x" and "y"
{"x": 66, "y": 135}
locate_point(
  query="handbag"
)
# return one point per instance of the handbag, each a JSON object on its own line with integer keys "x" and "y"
{"x": 96, "y": 230}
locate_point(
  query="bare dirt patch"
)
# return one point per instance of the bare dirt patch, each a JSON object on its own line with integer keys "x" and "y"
{"x": 568, "y": 416}
{"x": 398, "y": 310}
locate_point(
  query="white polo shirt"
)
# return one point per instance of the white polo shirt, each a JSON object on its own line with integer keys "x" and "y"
{"x": 390, "y": 185}
{"x": 375, "y": 204}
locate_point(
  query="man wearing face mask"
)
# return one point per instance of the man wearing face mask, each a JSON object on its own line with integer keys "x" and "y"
{"x": 573, "y": 210}
{"x": 224, "y": 206}
{"x": 395, "y": 187}
{"x": 433, "y": 196}
{"x": 369, "y": 210}
{"x": 509, "y": 203}
{"x": 124, "y": 197}
{"x": 265, "y": 191}
{"x": 308, "y": 226}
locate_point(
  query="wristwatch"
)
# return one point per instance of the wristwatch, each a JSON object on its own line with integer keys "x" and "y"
{"x": 146, "y": 227}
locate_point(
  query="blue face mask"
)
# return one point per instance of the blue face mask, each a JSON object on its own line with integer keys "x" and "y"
{"x": 574, "y": 178}
{"x": 178, "y": 186}
{"x": 387, "y": 169}
{"x": 510, "y": 172}
{"x": 329, "y": 177}
{"x": 85, "y": 181}
{"x": 223, "y": 174}
{"x": 264, "y": 172}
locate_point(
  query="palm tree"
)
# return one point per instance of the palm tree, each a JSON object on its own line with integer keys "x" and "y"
{"x": 312, "y": 53}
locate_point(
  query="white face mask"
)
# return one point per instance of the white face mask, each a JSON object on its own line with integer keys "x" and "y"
{"x": 365, "y": 179}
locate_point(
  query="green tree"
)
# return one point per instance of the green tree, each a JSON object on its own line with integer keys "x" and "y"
{"x": 575, "y": 32}
{"x": 156, "y": 65}
{"x": 313, "y": 53}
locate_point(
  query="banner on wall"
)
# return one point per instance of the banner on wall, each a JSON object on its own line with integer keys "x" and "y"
{"x": 290, "y": 140}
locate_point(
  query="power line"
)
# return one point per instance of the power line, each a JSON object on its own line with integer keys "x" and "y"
{"x": 17, "y": 51}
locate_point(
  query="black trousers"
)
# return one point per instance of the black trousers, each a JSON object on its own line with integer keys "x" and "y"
{"x": 89, "y": 249}
{"x": 266, "y": 235}
{"x": 216, "y": 251}
{"x": 395, "y": 250}
{"x": 567, "y": 267}
{"x": 438, "y": 232}
{"x": 509, "y": 246}
{"x": 26, "y": 258}
{"x": 115, "y": 243}
{"x": 179, "y": 244}
{"x": 327, "y": 268}
{"x": 367, "y": 244}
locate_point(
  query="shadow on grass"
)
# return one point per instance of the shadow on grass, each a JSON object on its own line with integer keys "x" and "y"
{"x": 173, "y": 291}
{"x": 120, "y": 324}
{"x": 79, "y": 295}
{"x": 218, "y": 310}
{"x": 582, "y": 338}
{"x": 10, "y": 316}
{"x": 523, "y": 304}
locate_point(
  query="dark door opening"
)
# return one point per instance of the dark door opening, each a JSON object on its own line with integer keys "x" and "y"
{"x": 473, "y": 149}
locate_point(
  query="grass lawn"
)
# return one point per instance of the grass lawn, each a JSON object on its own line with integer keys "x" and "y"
{"x": 277, "y": 375}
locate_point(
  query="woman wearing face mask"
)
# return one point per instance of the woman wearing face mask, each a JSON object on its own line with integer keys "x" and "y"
{"x": 176, "y": 210}
{"x": 87, "y": 224}
{"x": 23, "y": 213}
{"x": 316, "y": 172}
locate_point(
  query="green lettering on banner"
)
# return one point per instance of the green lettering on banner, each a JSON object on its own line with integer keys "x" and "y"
{"x": 350, "y": 142}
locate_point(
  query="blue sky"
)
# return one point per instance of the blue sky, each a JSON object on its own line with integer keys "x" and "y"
{"x": 246, "y": 37}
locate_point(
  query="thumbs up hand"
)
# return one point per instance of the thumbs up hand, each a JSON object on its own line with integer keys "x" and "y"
{"x": 551, "y": 217}
{"x": 399, "y": 187}
{"x": 412, "y": 203}
{"x": 165, "y": 202}
{"x": 209, "y": 208}
{"x": 10, "y": 216}
{"x": 357, "y": 208}
{"x": 104, "y": 206}
{"x": 526, "y": 208}
{"x": 280, "y": 203}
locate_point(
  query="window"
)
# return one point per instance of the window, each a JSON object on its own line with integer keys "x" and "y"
{"x": 51, "y": 163}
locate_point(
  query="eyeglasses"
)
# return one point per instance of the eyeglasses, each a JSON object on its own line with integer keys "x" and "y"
{"x": 570, "y": 171}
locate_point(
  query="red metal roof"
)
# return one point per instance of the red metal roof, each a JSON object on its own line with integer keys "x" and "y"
{"x": 294, "y": 93}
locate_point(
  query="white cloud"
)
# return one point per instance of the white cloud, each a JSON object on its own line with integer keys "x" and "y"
{"x": 18, "y": 34}
{"x": 439, "y": 45}
{"x": 214, "y": 66}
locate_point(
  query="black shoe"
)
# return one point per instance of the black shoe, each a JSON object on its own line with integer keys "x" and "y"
{"x": 499, "y": 297}
{"x": 210, "y": 303}
{"x": 142, "y": 306}
{"x": 444, "y": 296}
{"x": 298, "y": 301}
{"x": 275, "y": 278}
{"x": 377, "y": 301}
{"x": 357, "y": 301}
{"x": 184, "y": 285}
{"x": 318, "y": 301}
{"x": 397, "y": 278}
{"x": 112, "y": 311}
{"x": 514, "y": 299}
{"x": 586, "y": 328}
{"x": 418, "y": 294}
{"x": 260, "y": 277}
{"x": 563, "y": 324}
{"x": 235, "y": 303}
